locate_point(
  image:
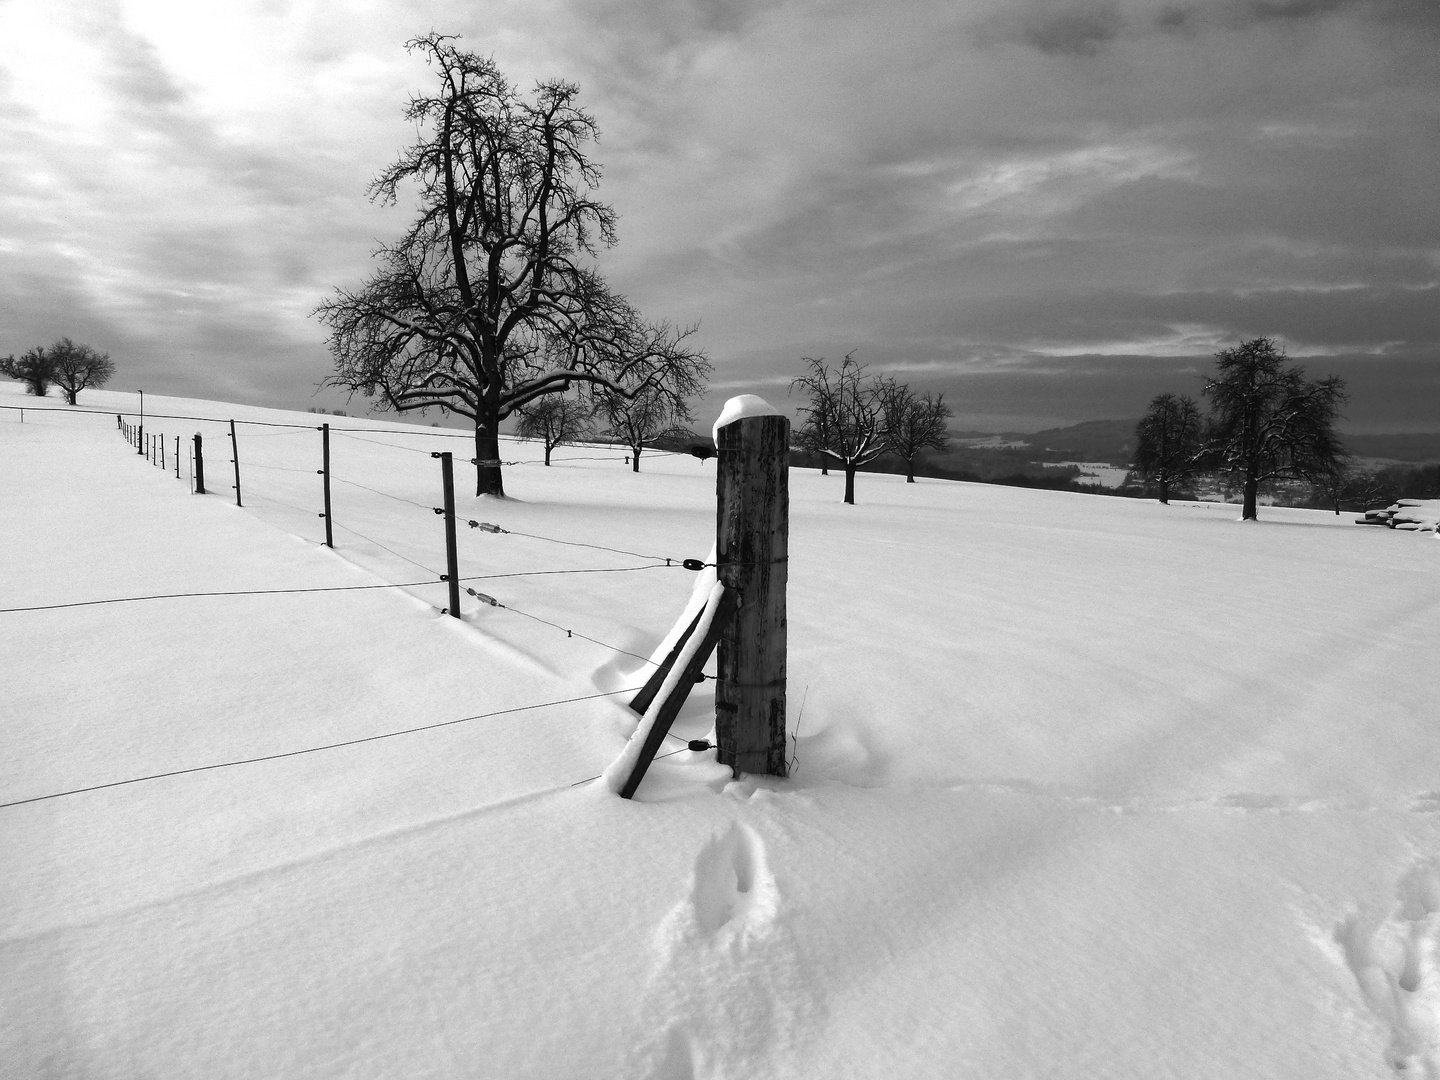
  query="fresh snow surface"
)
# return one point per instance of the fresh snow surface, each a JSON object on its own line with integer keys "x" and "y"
{"x": 1083, "y": 787}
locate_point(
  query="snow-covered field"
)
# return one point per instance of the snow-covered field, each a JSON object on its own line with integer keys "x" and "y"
{"x": 1084, "y": 787}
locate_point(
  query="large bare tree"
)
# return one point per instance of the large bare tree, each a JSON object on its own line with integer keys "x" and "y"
{"x": 1269, "y": 422}
{"x": 75, "y": 367}
{"x": 491, "y": 299}
{"x": 844, "y": 417}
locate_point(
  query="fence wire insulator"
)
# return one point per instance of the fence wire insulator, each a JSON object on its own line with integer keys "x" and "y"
{"x": 699, "y": 744}
{"x": 690, "y": 564}
{"x": 438, "y": 509}
{"x": 485, "y": 526}
{"x": 484, "y": 599}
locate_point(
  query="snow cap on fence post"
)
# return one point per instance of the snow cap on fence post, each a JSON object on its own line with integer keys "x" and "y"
{"x": 738, "y": 407}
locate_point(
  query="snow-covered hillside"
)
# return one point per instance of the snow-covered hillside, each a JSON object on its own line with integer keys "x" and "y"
{"x": 1084, "y": 787}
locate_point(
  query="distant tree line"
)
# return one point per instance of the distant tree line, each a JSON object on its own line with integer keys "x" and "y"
{"x": 1268, "y": 424}
{"x": 72, "y": 367}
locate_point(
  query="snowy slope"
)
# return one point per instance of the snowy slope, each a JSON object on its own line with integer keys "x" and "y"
{"x": 1085, "y": 787}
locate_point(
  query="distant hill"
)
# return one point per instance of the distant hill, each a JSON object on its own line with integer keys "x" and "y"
{"x": 1113, "y": 442}
{"x": 1423, "y": 447}
{"x": 1110, "y": 441}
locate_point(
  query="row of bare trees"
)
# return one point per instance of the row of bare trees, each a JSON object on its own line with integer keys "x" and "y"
{"x": 71, "y": 366}
{"x": 1267, "y": 422}
{"x": 564, "y": 419}
{"x": 851, "y": 418}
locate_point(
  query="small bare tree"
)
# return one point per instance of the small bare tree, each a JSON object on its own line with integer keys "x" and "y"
{"x": 844, "y": 419}
{"x": 75, "y": 367}
{"x": 32, "y": 368}
{"x": 644, "y": 417}
{"x": 1167, "y": 442}
{"x": 555, "y": 420}
{"x": 912, "y": 423}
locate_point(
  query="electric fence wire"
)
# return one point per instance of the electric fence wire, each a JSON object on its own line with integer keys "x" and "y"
{"x": 657, "y": 563}
{"x": 266, "y": 434}
{"x": 657, "y": 757}
{"x": 216, "y": 592}
{"x": 278, "y": 468}
{"x": 317, "y": 749}
{"x": 377, "y": 491}
{"x": 436, "y": 580}
{"x": 568, "y": 632}
{"x": 376, "y": 442}
{"x": 485, "y": 526}
{"x": 382, "y": 547}
{"x": 249, "y": 494}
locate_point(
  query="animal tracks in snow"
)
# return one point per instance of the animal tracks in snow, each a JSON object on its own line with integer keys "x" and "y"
{"x": 731, "y": 887}
{"x": 1394, "y": 960}
{"x": 728, "y": 932}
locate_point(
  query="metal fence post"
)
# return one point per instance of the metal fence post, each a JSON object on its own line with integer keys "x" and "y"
{"x": 452, "y": 562}
{"x": 235, "y": 457}
{"x": 325, "y": 456}
{"x": 199, "y": 465}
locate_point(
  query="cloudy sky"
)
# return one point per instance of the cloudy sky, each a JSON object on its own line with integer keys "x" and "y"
{"x": 1051, "y": 210}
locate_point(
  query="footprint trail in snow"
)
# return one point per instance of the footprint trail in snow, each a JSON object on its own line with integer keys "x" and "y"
{"x": 727, "y": 933}
{"x": 1394, "y": 960}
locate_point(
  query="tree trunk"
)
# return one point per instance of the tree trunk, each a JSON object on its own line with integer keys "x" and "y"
{"x": 909, "y": 470}
{"x": 824, "y": 465}
{"x": 548, "y": 448}
{"x": 1164, "y": 492}
{"x": 1252, "y": 489}
{"x": 488, "y": 479}
{"x": 70, "y": 396}
{"x": 635, "y": 459}
{"x": 850, "y": 483}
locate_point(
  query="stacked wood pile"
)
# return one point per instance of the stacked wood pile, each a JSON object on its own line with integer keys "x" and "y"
{"x": 1412, "y": 515}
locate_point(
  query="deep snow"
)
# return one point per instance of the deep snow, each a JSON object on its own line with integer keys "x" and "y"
{"x": 1084, "y": 787}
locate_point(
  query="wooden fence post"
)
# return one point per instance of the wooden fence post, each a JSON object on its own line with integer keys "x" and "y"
{"x": 752, "y": 546}
{"x": 235, "y": 458}
{"x": 177, "y": 457}
{"x": 452, "y": 563}
{"x": 199, "y": 466}
{"x": 325, "y": 461}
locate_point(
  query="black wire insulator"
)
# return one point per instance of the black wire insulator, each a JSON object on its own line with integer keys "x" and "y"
{"x": 699, "y": 744}
{"x": 693, "y": 564}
